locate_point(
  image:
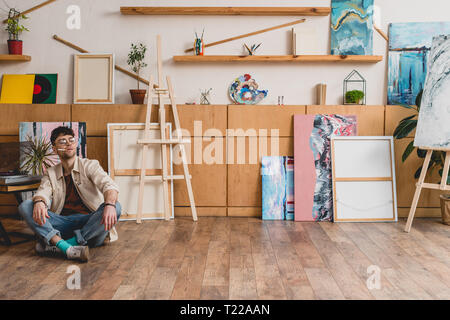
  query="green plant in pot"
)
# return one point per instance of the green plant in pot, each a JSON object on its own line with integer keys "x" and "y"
{"x": 15, "y": 29}
{"x": 136, "y": 62}
{"x": 36, "y": 155}
{"x": 404, "y": 128}
{"x": 354, "y": 97}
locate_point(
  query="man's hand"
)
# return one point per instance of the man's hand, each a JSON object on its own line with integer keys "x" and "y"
{"x": 40, "y": 212}
{"x": 109, "y": 217}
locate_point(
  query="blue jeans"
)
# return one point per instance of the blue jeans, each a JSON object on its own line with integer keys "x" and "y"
{"x": 86, "y": 227}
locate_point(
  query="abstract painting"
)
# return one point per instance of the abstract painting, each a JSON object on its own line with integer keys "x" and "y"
{"x": 433, "y": 129}
{"x": 37, "y": 130}
{"x": 409, "y": 49}
{"x": 312, "y": 166}
{"x": 277, "y": 188}
{"x": 352, "y": 27}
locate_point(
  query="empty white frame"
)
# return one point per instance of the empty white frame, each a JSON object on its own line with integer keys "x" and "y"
{"x": 364, "y": 188}
{"x": 124, "y": 163}
{"x": 93, "y": 80}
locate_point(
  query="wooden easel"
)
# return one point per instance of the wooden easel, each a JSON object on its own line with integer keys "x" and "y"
{"x": 421, "y": 183}
{"x": 162, "y": 93}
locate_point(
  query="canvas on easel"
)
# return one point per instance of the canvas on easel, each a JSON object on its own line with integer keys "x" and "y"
{"x": 433, "y": 130}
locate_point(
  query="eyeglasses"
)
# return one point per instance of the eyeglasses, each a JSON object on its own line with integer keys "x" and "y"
{"x": 66, "y": 142}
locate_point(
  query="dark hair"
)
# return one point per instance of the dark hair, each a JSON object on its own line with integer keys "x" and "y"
{"x": 61, "y": 131}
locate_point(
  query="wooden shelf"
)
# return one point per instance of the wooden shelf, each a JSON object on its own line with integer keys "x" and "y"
{"x": 14, "y": 57}
{"x": 228, "y": 11}
{"x": 283, "y": 58}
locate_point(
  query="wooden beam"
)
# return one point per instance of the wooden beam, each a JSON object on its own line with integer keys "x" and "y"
{"x": 34, "y": 8}
{"x": 384, "y": 35}
{"x": 234, "y": 11}
{"x": 279, "y": 58}
{"x": 73, "y": 46}
{"x": 251, "y": 34}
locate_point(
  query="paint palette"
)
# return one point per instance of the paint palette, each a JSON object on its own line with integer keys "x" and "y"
{"x": 244, "y": 90}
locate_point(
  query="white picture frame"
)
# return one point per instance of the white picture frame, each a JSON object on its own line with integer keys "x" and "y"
{"x": 124, "y": 163}
{"x": 363, "y": 175}
{"x": 93, "y": 78}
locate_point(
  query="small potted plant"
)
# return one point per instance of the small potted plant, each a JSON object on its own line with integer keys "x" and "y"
{"x": 14, "y": 29}
{"x": 136, "y": 62}
{"x": 354, "y": 97}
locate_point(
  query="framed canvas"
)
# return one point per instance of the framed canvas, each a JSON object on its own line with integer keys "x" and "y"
{"x": 93, "y": 78}
{"x": 124, "y": 163}
{"x": 313, "y": 199}
{"x": 433, "y": 128}
{"x": 364, "y": 187}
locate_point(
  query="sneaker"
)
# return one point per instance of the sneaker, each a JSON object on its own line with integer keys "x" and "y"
{"x": 47, "y": 250}
{"x": 78, "y": 253}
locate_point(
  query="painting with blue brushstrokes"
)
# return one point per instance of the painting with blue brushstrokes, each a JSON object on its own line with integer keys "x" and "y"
{"x": 433, "y": 129}
{"x": 409, "y": 48}
{"x": 277, "y": 188}
{"x": 352, "y": 27}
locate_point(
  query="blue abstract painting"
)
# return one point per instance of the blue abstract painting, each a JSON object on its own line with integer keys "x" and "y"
{"x": 352, "y": 27}
{"x": 277, "y": 188}
{"x": 409, "y": 49}
{"x": 433, "y": 129}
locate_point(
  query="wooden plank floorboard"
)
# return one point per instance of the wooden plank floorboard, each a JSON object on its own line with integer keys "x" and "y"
{"x": 359, "y": 262}
{"x": 295, "y": 280}
{"x": 406, "y": 287}
{"x": 428, "y": 281}
{"x": 348, "y": 281}
{"x": 241, "y": 258}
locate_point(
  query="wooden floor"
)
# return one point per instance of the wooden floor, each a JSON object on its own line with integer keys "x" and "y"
{"x": 242, "y": 258}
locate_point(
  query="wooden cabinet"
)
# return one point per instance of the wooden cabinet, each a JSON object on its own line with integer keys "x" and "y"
{"x": 231, "y": 188}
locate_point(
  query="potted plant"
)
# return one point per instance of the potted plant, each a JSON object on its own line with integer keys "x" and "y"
{"x": 404, "y": 128}
{"x": 36, "y": 156}
{"x": 14, "y": 29}
{"x": 354, "y": 97}
{"x": 136, "y": 62}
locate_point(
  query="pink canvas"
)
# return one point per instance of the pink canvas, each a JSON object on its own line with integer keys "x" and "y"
{"x": 304, "y": 169}
{"x": 312, "y": 163}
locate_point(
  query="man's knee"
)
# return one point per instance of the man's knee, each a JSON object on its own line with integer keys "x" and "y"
{"x": 26, "y": 210}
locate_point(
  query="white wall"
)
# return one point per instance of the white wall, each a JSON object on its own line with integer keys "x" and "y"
{"x": 104, "y": 29}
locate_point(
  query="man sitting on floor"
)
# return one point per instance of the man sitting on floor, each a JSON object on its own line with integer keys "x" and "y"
{"x": 82, "y": 199}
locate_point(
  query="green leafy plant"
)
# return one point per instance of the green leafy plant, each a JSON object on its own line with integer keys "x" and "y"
{"x": 405, "y": 127}
{"x": 136, "y": 58}
{"x": 354, "y": 96}
{"x": 13, "y": 27}
{"x": 36, "y": 153}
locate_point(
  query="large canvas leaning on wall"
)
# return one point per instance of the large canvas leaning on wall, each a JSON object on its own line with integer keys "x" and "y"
{"x": 352, "y": 27}
{"x": 409, "y": 49}
{"x": 277, "y": 188}
{"x": 313, "y": 199}
{"x": 364, "y": 187}
{"x": 38, "y": 130}
{"x": 433, "y": 127}
{"x": 124, "y": 163}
